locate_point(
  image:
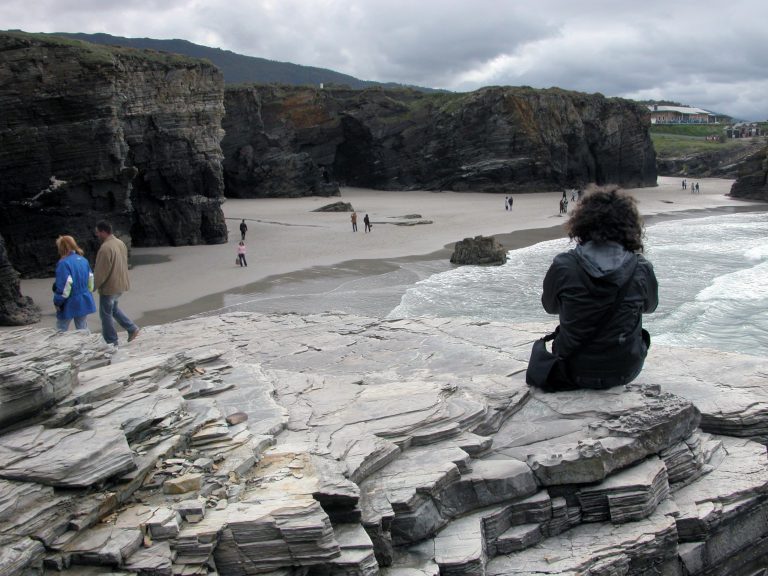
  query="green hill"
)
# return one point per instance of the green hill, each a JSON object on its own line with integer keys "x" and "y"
{"x": 237, "y": 68}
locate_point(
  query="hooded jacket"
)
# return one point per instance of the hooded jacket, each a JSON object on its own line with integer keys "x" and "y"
{"x": 580, "y": 287}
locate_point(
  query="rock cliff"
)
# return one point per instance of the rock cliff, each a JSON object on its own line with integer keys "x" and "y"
{"x": 15, "y": 309}
{"x": 91, "y": 132}
{"x": 752, "y": 181}
{"x": 278, "y": 142}
{"x": 494, "y": 139}
{"x": 335, "y": 444}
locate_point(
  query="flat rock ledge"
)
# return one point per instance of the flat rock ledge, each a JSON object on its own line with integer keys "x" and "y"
{"x": 339, "y": 445}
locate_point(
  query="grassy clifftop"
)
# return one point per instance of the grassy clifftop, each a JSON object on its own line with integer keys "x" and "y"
{"x": 91, "y": 53}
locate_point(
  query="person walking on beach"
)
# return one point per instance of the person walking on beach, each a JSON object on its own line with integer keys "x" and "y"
{"x": 74, "y": 283}
{"x": 511, "y": 202}
{"x": 367, "y": 222}
{"x": 683, "y": 183}
{"x": 697, "y": 188}
{"x": 241, "y": 254}
{"x": 243, "y": 229}
{"x": 600, "y": 290}
{"x": 506, "y": 203}
{"x": 353, "y": 217}
{"x": 111, "y": 280}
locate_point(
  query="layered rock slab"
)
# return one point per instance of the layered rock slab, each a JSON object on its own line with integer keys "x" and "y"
{"x": 411, "y": 430}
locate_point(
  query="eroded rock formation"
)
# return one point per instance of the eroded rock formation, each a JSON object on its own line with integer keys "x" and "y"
{"x": 278, "y": 142}
{"x": 15, "y": 309}
{"x": 494, "y": 139}
{"x": 90, "y": 132}
{"x": 479, "y": 250}
{"x": 245, "y": 444}
{"x": 752, "y": 181}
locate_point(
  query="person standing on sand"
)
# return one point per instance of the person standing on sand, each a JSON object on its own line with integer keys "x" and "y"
{"x": 243, "y": 229}
{"x": 354, "y": 221}
{"x": 367, "y": 222}
{"x": 74, "y": 283}
{"x": 506, "y": 203}
{"x": 241, "y": 255}
{"x": 511, "y": 202}
{"x": 111, "y": 280}
{"x": 697, "y": 188}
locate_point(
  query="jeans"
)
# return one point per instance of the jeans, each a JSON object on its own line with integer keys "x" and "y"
{"x": 109, "y": 312}
{"x": 241, "y": 258}
{"x": 81, "y": 323}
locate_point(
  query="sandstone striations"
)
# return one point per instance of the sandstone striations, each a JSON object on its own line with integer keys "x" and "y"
{"x": 494, "y": 139}
{"x": 90, "y": 132}
{"x": 752, "y": 181}
{"x": 15, "y": 309}
{"x": 335, "y": 444}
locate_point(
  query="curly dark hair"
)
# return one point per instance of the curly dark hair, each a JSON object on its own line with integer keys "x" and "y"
{"x": 607, "y": 214}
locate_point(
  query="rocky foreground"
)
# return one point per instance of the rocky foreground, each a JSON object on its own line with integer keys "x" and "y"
{"x": 340, "y": 445}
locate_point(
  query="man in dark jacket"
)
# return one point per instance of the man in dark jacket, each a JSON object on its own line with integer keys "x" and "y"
{"x": 581, "y": 287}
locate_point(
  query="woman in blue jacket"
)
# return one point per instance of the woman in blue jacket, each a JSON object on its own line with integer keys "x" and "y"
{"x": 72, "y": 292}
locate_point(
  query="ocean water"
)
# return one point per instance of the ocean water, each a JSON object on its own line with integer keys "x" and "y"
{"x": 712, "y": 273}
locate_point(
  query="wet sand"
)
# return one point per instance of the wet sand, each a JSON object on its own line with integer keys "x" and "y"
{"x": 304, "y": 261}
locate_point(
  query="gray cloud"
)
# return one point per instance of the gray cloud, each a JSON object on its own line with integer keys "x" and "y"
{"x": 708, "y": 54}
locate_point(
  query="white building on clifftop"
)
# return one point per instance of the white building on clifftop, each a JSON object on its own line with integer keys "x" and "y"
{"x": 680, "y": 115}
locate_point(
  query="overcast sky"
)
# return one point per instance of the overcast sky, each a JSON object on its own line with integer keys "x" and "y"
{"x": 711, "y": 54}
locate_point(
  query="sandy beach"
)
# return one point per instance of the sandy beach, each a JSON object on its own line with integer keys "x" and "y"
{"x": 293, "y": 251}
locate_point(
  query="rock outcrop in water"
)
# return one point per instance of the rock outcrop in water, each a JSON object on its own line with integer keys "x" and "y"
{"x": 480, "y": 250}
{"x": 90, "y": 132}
{"x": 494, "y": 139}
{"x": 15, "y": 309}
{"x": 752, "y": 182}
{"x": 335, "y": 444}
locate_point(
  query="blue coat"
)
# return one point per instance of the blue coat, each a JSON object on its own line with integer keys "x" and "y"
{"x": 72, "y": 290}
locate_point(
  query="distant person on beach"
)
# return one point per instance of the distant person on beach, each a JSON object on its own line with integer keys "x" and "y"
{"x": 241, "y": 254}
{"x": 697, "y": 188}
{"x": 683, "y": 183}
{"x": 243, "y": 229}
{"x": 511, "y": 202}
{"x": 354, "y": 221}
{"x": 600, "y": 342}
{"x": 367, "y": 222}
{"x": 506, "y": 203}
{"x": 73, "y": 286}
{"x": 111, "y": 280}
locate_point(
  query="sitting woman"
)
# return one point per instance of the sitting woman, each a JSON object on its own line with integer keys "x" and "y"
{"x": 600, "y": 291}
{"x": 72, "y": 291}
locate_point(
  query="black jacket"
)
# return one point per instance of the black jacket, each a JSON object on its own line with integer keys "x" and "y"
{"x": 580, "y": 287}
